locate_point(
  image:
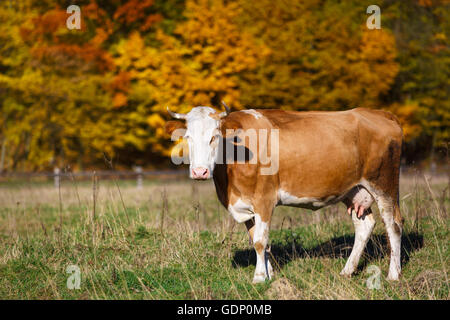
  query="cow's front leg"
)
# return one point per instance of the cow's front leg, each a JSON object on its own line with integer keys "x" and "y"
{"x": 263, "y": 269}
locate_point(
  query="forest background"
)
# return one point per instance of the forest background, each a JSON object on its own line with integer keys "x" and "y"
{"x": 77, "y": 97}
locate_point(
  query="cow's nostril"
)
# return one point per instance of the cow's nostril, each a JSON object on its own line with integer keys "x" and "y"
{"x": 200, "y": 172}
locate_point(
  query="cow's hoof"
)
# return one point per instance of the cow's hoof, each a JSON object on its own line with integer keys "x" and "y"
{"x": 393, "y": 277}
{"x": 259, "y": 278}
{"x": 346, "y": 273}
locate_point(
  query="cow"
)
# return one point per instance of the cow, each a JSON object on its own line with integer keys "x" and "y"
{"x": 324, "y": 157}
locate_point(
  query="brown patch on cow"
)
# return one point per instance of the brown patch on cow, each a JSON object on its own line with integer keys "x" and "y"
{"x": 215, "y": 116}
{"x": 229, "y": 124}
{"x": 172, "y": 125}
{"x": 397, "y": 227}
{"x": 259, "y": 247}
{"x": 398, "y": 219}
{"x": 382, "y": 163}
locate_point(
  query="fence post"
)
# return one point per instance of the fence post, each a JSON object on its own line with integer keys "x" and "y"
{"x": 2, "y": 155}
{"x": 56, "y": 177}
{"x": 138, "y": 170}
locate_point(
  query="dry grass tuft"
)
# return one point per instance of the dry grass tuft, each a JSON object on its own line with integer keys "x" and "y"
{"x": 427, "y": 282}
{"x": 283, "y": 289}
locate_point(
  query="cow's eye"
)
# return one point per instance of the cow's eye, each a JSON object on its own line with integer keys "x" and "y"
{"x": 212, "y": 139}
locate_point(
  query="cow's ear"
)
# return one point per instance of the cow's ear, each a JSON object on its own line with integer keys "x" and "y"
{"x": 173, "y": 125}
{"x": 229, "y": 124}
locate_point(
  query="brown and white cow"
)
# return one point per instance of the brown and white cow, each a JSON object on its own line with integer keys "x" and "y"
{"x": 323, "y": 158}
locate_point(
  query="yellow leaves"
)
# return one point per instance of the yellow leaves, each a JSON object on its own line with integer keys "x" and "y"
{"x": 377, "y": 54}
{"x": 407, "y": 114}
{"x": 155, "y": 120}
{"x": 106, "y": 87}
{"x": 310, "y": 65}
{"x": 134, "y": 56}
{"x": 198, "y": 66}
{"x": 440, "y": 36}
{"x": 129, "y": 50}
{"x": 377, "y": 44}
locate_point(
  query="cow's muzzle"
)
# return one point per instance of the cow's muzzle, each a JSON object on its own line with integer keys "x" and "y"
{"x": 200, "y": 173}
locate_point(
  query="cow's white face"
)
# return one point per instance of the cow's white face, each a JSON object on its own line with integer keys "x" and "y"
{"x": 202, "y": 135}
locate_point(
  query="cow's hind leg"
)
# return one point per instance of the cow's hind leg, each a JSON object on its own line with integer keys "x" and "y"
{"x": 390, "y": 213}
{"x": 263, "y": 269}
{"x": 363, "y": 229}
{"x": 383, "y": 184}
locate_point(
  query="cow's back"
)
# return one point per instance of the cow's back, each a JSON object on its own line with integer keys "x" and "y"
{"x": 320, "y": 153}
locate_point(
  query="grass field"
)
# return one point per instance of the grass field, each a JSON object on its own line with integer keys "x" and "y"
{"x": 174, "y": 240}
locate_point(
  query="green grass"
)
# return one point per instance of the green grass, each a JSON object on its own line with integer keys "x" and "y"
{"x": 181, "y": 244}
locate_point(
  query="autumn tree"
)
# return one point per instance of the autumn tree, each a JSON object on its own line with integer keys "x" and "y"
{"x": 61, "y": 105}
{"x": 199, "y": 65}
{"x": 420, "y": 94}
{"x": 70, "y": 97}
{"x": 322, "y": 56}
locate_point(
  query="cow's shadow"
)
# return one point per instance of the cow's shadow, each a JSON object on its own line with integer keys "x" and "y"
{"x": 339, "y": 247}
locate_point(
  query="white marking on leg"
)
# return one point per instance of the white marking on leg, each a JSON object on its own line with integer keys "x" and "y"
{"x": 386, "y": 207}
{"x": 395, "y": 238}
{"x": 363, "y": 229}
{"x": 263, "y": 269}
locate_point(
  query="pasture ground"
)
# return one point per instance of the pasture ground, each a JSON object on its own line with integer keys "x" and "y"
{"x": 173, "y": 240}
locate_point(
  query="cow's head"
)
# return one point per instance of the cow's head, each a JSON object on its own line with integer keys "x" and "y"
{"x": 203, "y": 135}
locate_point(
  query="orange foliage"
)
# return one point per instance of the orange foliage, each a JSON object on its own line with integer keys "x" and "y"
{"x": 119, "y": 100}
{"x": 68, "y": 96}
{"x": 134, "y": 10}
{"x": 121, "y": 82}
{"x": 425, "y": 3}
